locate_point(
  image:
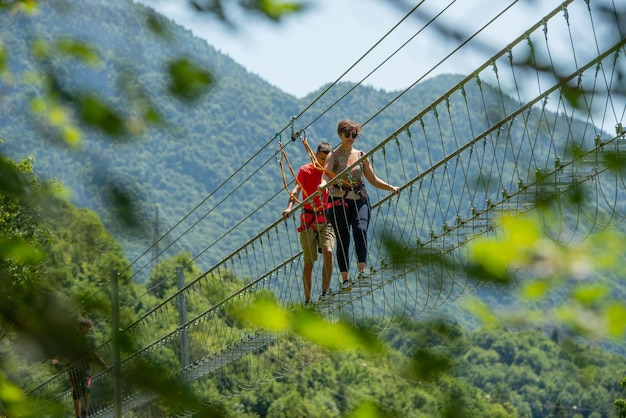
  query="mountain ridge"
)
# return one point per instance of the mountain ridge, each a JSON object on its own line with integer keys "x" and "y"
{"x": 214, "y": 162}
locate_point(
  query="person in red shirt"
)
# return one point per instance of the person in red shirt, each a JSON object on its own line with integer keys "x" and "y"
{"x": 316, "y": 235}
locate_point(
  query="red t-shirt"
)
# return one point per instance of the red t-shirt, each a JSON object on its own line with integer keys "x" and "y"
{"x": 309, "y": 178}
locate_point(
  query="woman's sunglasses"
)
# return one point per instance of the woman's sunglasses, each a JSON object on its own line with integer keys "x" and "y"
{"x": 347, "y": 135}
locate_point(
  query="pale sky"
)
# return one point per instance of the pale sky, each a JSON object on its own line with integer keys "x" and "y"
{"x": 306, "y": 52}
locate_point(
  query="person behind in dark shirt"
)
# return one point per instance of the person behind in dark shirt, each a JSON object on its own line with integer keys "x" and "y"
{"x": 80, "y": 373}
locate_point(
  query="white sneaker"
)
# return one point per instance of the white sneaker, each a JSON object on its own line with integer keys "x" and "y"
{"x": 346, "y": 284}
{"x": 325, "y": 295}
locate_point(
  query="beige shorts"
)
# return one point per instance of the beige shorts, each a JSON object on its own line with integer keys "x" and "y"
{"x": 315, "y": 238}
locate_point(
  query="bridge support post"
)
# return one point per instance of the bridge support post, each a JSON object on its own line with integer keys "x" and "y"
{"x": 182, "y": 318}
{"x": 115, "y": 327}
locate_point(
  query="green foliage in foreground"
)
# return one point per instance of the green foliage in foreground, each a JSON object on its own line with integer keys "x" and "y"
{"x": 428, "y": 369}
{"x": 55, "y": 263}
{"x": 496, "y": 373}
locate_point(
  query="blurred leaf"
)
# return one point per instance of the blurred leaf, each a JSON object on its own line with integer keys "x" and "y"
{"x": 78, "y": 49}
{"x": 96, "y": 113}
{"x": 605, "y": 248}
{"x": 264, "y": 313}
{"x": 38, "y": 105}
{"x": 10, "y": 393}
{"x": 332, "y": 335}
{"x": 212, "y": 6}
{"x": 124, "y": 205}
{"x": 2, "y": 58}
{"x": 587, "y": 295}
{"x": 576, "y": 195}
{"x": 71, "y": 135}
{"x": 40, "y": 49}
{"x": 535, "y": 289}
{"x": 428, "y": 364}
{"x": 13, "y": 183}
{"x": 482, "y": 312}
{"x": 498, "y": 255}
{"x": 275, "y": 10}
{"x": 27, "y": 6}
{"x": 152, "y": 115}
{"x": 174, "y": 393}
{"x": 401, "y": 257}
{"x": 272, "y": 9}
{"x": 581, "y": 321}
{"x": 491, "y": 255}
{"x": 369, "y": 409}
{"x": 613, "y": 160}
{"x": 20, "y": 252}
{"x": 140, "y": 103}
{"x": 57, "y": 116}
{"x": 12, "y": 399}
{"x": 572, "y": 94}
{"x": 155, "y": 24}
{"x": 187, "y": 80}
{"x": 615, "y": 314}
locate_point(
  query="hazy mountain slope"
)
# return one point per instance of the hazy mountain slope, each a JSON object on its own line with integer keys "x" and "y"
{"x": 181, "y": 162}
{"x": 217, "y": 155}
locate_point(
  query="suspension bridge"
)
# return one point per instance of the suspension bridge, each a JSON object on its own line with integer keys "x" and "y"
{"x": 498, "y": 141}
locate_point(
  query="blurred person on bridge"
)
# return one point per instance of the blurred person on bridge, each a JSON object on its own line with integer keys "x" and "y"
{"x": 83, "y": 354}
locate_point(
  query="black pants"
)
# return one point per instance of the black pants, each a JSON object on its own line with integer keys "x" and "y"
{"x": 346, "y": 215}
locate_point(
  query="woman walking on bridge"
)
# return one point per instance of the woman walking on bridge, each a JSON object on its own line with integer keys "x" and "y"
{"x": 349, "y": 206}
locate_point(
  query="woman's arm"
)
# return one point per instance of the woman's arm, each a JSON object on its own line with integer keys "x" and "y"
{"x": 330, "y": 162}
{"x": 368, "y": 172}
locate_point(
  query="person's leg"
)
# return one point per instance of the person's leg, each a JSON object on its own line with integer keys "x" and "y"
{"x": 327, "y": 269}
{"x": 86, "y": 396}
{"x": 338, "y": 216}
{"x": 77, "y": 407}
{"x": 327, "y": 243}
{"x": 360, "y": 225}
{"x": 85, "y": 405}
{"x": 309, "y": 250}
{"x": 307, "y": 272}
{"x": 76, "y": 392}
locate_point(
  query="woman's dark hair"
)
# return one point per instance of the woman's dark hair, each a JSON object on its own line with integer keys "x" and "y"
{"x": 346, "y": 126}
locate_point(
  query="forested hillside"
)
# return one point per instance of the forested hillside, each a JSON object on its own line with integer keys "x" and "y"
{"x": 210, "y": 161}
{"x": 177, "y": 162}
{"x": 488, "y": 374}
{"x": 215, "y": 155}
{"x": 429, "y": 368}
